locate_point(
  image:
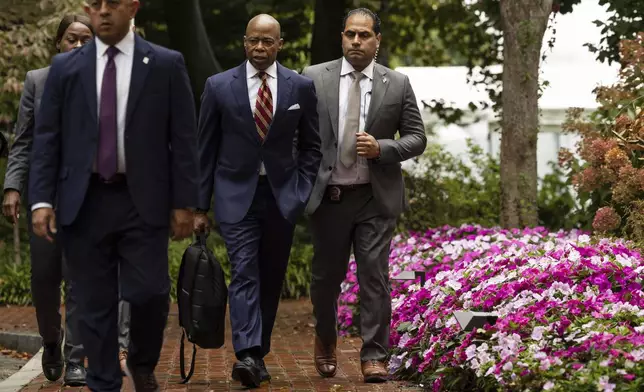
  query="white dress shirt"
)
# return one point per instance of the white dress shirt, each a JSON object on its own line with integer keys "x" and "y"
{"x": 254, "y": 82}
{"x": 359, "y": 173}
{"x": 123, "y": 61}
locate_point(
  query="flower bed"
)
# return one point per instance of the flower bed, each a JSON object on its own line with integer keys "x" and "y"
{"x": 571, "y": 311}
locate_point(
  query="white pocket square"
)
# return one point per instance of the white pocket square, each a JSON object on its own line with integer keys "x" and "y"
{"x": 294, "y": 107}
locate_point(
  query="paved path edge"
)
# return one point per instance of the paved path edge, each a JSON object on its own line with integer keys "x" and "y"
{"x": 20, "y": 341}
{"x": 24, "y": 376}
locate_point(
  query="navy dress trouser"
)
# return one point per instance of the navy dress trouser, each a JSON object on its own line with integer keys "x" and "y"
{"x": 258, "y": 247}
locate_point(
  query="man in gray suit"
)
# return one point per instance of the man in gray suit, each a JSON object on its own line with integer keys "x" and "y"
{"x": 359, "y": 191}
{"x": 47, "y": 265}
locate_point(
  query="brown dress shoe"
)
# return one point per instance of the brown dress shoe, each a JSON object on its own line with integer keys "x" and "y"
{"x": 374, "y": 371}
{"x": 326, "y": 362}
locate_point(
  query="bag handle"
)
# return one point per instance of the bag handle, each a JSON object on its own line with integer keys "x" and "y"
{"x": 182, "y": 362}
{"x": 202, "y": 237}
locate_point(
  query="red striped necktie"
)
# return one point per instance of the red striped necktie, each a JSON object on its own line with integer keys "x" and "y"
{"x": 263, "y": 107}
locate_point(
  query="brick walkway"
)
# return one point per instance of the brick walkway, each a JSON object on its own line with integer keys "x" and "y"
{"x": 290, "y": 362}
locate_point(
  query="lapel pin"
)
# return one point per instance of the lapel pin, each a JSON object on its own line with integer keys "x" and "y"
{"x": 145, "y": 60}
{"x": 384, "y": 79}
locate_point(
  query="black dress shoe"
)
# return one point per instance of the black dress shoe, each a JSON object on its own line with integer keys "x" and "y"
{"x": 52, "y": 361}
{"x": 75, "y": 375}
{"x": 247, "y": 372}
{"x": 142, "y": 381}
{"x": 264, "y": 375}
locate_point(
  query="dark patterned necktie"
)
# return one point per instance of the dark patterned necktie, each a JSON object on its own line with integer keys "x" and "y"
{"x": 107, "y": 155}
{"x": 263, "y": 107}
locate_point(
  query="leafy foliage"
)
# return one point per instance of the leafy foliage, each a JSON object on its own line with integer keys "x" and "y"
{"x": 611, "y": 176}
{"x": 27, "y": 31}
{"x": 624, "y": 23}
{"x": 454, "y": 191}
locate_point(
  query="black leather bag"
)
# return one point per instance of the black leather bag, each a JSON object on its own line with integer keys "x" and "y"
{"x": 202, "y": 295}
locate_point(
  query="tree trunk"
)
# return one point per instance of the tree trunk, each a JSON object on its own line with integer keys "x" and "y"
{"x": 16, "y": 244}
{"x": 188, "y": 35}
{"x": 524, "y": 24}
{"x": 326, "y": 44}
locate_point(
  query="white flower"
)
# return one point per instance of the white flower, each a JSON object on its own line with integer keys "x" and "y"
{"x": 540, "y": 355}
{"x": 548, "y": 386}
{"x": 441, "y": 275}
{"x": 574, "y": 256}
{"x": 583, "y": 239}
{"x": 638, "y": 355}
{"x": 537, "y": 333}
{"x": 604, "y": 385}
{"x": 588, "y": 325}
{"x": 404, "y": 340}
{"x": 624, "y": 261}
{"x": 470, "y": 351}
{"x": 455, "y": 285}
{"x": 508, "y": 366}
{"x": 545, "y": 365}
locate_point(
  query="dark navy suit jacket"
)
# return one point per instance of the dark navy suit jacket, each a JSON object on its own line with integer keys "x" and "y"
{"x": 160, "y": 134}
{"x": 231, "y": 150}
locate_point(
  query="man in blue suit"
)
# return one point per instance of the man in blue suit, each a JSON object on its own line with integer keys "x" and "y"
{"x": 115, "y": 141}
{"x": 259, "y": 148}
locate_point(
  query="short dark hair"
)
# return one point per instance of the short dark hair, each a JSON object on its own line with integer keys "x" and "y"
{"x": 67, "y": 21}
{"x": 364, "y": 12}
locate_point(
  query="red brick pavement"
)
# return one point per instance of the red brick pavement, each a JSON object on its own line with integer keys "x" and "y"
{"x": 290, "y": 363}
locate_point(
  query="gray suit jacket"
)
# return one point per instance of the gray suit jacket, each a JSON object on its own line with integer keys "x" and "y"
{"x": 19, "y": 155}
{"x": 393, "y": 109}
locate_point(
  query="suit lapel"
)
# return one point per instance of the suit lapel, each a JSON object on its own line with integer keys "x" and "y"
{"x": 331, "y": 80}
{"x": 284, "y": 87}
{"x": 140, "y": 69}
{"x": 239, "y": 86}
{"x": 378, "y": 90}
{"x": 88, "y": 79}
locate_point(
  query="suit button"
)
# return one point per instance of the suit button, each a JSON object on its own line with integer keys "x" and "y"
{"x": 330, "y": 167}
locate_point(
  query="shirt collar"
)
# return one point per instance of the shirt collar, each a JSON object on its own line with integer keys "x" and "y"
{"x": 125, "y": 46}
{"x": 347, "y": 68}
{"x": 251, "y": 71}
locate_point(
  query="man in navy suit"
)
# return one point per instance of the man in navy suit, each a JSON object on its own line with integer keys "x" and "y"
{"x": 259, "y": 148}
{"x": 115, "y": 141}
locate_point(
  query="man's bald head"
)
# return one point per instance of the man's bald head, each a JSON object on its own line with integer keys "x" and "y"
{"x": 262, "y": 41}
{"x": 266, "y": 23}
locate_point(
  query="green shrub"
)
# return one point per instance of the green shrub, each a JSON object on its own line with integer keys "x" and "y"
{"x": 453, "y": 192}
{"x": 15, "y": 283}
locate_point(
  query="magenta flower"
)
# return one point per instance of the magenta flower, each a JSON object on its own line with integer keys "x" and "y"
{"x": 571, "y": 309}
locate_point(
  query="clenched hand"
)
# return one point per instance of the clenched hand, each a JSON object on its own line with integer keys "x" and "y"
{"x": 202, "y": 224}
{"x": 367, "y": 146}
{"x": 182, "y": 222}
{"x": 44, "y": 223}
